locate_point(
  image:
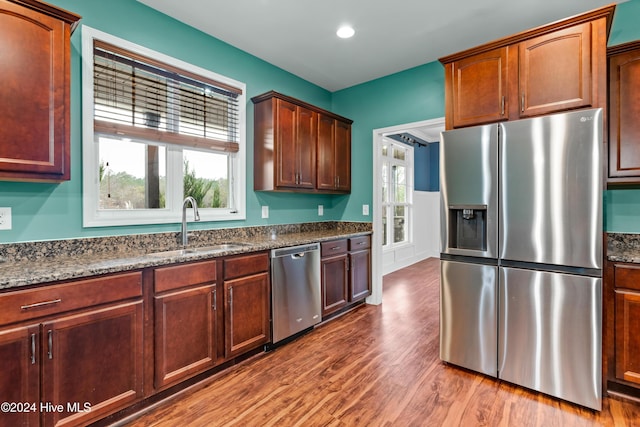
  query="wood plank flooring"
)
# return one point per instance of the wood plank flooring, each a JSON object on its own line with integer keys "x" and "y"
{"x": 375, "y": 366}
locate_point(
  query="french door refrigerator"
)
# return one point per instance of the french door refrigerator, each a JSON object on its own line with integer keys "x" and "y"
{"x": 521, "y": 261}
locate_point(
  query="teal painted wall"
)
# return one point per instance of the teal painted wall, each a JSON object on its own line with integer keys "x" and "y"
{"x": 54, "y": 211}
{"x": 409, "y": 96}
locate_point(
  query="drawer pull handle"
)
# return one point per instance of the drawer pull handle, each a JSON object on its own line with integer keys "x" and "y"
{"x": 33, "y": 349}
{"x": 40, "y": 304}
{"x": 50, "y": 344}
{"x": 335, "y": 248}
{"x": 362, "y": 243}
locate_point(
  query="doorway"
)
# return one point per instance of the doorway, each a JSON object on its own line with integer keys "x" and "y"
{"x": 418, "y": 216}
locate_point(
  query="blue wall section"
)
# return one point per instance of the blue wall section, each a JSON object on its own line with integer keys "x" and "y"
{"x": 427, "y": 167}
{"x": 54, "y": 211}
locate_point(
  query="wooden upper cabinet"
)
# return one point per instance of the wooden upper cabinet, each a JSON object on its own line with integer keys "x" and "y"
{"x": 334, "y": 155}
{"x": 299, "y": 147}
{"x": 624, "y": 111}
{"x": 34, "y": 94}
{"x": 557, "y": 67}
{"x": 479, "y": 88}
{"x": 555, "y": 71}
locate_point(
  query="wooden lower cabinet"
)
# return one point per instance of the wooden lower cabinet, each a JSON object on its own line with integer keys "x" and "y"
{"x": 345, "y": 272}
{"x": 20, "y": 375}
{"x": 92, "y": 363}
{"x": 246, "y": 313}
{"x": 71, "y": 353}
{"x": 185, "y": 338}
{"x": 359, "y": 275}
{"x": 627, "y": 336}
{"x": 621, "y": 332}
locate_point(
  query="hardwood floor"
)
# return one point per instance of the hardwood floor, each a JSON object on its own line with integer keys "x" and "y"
{"x": 375, "y": 366}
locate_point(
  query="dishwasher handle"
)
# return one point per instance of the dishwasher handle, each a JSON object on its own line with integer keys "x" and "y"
{"x": 298, "y": 251}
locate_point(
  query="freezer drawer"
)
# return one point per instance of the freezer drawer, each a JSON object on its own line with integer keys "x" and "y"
{"x": 468, "y": 323}
{"x": 549, "y": 336}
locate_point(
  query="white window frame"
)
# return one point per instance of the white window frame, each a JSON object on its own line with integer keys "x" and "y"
{"x": 389, "y": 206}
{"x": 172, "y": 212}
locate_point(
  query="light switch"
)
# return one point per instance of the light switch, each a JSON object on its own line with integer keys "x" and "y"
{"x": 365, "y": 210}
{"x": 320, "y": 210}
{"x": 265, "y": 212}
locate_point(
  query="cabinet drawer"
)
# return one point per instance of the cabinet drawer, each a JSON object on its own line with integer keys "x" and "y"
{"x": 627, "y": 276}
{"x": 179, "y": 276}
{"x": 334, "y": 247}
{"x": 31, "y": 303}
{"x": 359, "y": 243}
{"x": 245, "y": 265}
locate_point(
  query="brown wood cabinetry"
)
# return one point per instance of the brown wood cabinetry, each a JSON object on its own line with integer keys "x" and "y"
{"x": 334, "y": 275}
{"x": 300, "y": 147}
{"x": 359, "y": 268}
{"x": 20, "y": 378}
{"x": 479, "y": 88}
{"x": 627, "y": 322}
{"x": 35, "y": 91}
{"x": 334, "y": 154}
{"x": 624, "y": 110}
{"x": 247, "y": 303}
{"x": 185, "y": 321}
{"x": 60, "y": 341}
{"x": 622, "y": 328}
{"x": 345, "y": 272}
{"x": 557, "y": 67}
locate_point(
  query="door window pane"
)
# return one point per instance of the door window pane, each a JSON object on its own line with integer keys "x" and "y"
{"x": 399, "y": 224}
{"x": 400, "y": 184}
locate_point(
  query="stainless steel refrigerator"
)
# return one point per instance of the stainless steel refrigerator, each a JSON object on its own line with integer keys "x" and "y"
{"x": 521, "y": 259}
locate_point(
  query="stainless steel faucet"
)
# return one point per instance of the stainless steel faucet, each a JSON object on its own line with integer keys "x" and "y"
{"x": 196, "y": 217}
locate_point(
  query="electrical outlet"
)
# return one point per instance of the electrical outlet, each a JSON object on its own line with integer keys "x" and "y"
{"x": 265, "y": 212}
{"x": 5, "y": 218}
{"x": 320, "y": 210}
{"x": 365, "y": 210}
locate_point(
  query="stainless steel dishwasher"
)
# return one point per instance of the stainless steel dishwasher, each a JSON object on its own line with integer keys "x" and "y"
{"x": 295, "y": 296}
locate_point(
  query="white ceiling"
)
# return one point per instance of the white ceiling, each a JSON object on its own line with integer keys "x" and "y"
{"x": 391, "y": 35}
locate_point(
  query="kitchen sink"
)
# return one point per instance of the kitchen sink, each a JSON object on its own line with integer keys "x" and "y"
{"x": 198, "y": 250}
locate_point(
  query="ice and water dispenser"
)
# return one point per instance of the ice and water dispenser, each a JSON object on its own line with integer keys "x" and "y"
{"x": 468, "y": 227}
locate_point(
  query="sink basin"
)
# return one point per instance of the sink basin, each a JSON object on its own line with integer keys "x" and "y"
{"x": 198, "y": 250}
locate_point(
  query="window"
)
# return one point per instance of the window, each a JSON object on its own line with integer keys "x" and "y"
{"x": 397, "y": 190}
{"x": 155, "y": 130}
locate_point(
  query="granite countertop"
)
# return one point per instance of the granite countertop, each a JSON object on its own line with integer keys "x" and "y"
{"x": 623, "y": 247}
{"x": 64, "y": 260}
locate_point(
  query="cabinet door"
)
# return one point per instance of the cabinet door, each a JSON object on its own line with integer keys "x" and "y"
{"x": 247, "y": 313}
{"x": 286, "y": 160}
{"x": 627, "y": 336}
{"x": 92, "y": 363}
{"x": 343, "y": 156}
{"x": 479, "y": 85}
{"x": 34, "y": 95}
{"x": 334, "y": 283}
{"x": 326, "y": 172}
{"x": 555, "y": 71}
{"x": 624, "y": 110}
{"x": 359, "y": 274}
{"x": 185, "y": 339}
{"x": 20, "y": 375}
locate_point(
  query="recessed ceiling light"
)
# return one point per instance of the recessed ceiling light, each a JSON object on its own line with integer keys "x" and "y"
{"x": 345, "y": 32}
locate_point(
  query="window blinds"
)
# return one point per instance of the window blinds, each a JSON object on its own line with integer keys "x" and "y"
{"x": 139, "y": 97}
